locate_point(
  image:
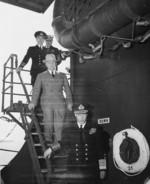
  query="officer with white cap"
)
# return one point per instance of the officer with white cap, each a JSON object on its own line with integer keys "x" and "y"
{"x": 50, "y": 49}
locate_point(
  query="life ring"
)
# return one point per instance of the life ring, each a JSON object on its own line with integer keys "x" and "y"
{"x": 147, "y": 181}
{"x": 130, "y": 151}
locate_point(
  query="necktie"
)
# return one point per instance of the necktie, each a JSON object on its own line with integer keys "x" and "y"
{"x": 81, "y": 127}
{"x": 81, "y": 134}
{"x": 53, "y": 74}
{"x": 82, "y": 151}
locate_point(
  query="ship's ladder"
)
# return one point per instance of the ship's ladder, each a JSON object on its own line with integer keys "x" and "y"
{"x": 46, "y": 171}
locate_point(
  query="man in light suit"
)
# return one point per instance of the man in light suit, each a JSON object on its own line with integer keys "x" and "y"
{"x": 53, "y": 102}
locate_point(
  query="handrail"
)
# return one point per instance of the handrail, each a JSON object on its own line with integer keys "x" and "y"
{"x": 35, "y": 120}
{"x": 31, "y": 147}
{"x": 24, "y": 88}
{"x": 12, "y": 58}
{"x": 8, "y": 82}
{"x": 38, "y": 129}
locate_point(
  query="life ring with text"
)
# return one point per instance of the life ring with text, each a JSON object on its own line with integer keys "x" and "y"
{"x": 130, "y": 151}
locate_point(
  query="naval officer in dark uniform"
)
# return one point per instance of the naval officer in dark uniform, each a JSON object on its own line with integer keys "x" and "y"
{"x": 37, "y": 54}
{"x": 83, "y": 142}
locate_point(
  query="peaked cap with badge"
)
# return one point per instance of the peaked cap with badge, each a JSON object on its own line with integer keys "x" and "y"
{"x": 49, "y": 38}
{"x": 80, "y": 110}
{"x": 40, "y": 33}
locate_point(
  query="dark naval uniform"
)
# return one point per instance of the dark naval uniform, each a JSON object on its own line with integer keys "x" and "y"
{"x": 37, "y": 55}
{"x": 85, "y": 149}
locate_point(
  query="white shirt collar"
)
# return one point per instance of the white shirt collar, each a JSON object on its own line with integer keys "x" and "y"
{"x": 83, "y": 125}
{"x": 40, "y": 46}
{"x": 54, "y": 71}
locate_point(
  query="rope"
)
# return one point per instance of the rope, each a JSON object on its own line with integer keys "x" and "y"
{"x": 8, "y": 120}
{"x": 8, "y": 133}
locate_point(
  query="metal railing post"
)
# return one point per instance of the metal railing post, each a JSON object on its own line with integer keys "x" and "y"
{"x": 11, "y": 82}
{"x": 8, "y": 78}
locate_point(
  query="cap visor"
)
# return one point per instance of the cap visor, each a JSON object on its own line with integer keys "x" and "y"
{"x": 81, "y": 112}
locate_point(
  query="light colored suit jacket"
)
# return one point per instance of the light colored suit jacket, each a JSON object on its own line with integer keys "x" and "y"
{"x": 52, "y": 89}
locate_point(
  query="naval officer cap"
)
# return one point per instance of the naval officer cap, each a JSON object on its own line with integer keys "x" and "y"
{"x": 49, "y": 37}
{"x": 40, "y": 33}
{"x": 80, "y": 109}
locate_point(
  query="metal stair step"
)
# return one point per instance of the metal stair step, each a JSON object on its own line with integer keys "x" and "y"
{"x": 34, "y": 133}
{"x": 37, "y": 144}
{"x": 28, "y": 113}
{"x": 60, "y": 169}
{"x": 41, "y": 157}
{"x": 44, "y": 170}
{"x": 40, "y": 114}
{"x": 60, "y": 156}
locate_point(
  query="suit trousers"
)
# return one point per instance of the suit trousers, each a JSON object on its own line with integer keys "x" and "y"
{"x": 54, "y": 115}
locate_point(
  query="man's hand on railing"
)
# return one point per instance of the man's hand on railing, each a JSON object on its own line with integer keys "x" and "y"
{"x": 18, "y": 69}
{"x": 31, "y": 106}
{"x": 65, "y": 54}
{"x": 48, "y": 153}
{"x": 69, "y": 106}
